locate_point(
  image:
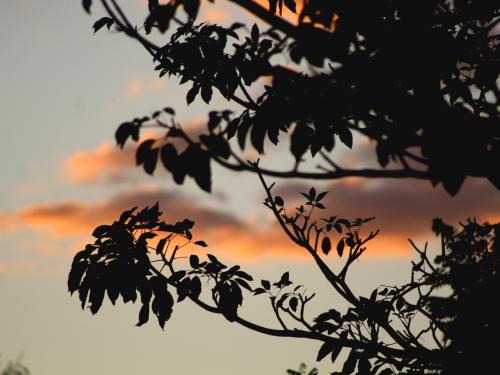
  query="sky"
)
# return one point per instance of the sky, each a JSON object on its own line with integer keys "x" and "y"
{"x": 63, "y": 92}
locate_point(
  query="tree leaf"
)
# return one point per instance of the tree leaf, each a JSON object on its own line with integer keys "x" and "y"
{"x": 194, "y": 261}
{"x": 143, "y": 315}
{"x": 290, "y": 4}
{"x": 325, "y": 349}
{"x": 345, "y": 136}
{"x": 86, "y": 5}
{"x": 293, "y": 303}
{"x": 326, "y": 245}
{"x": 340, "y": 247}
{"x": 191, "y": 95}
{"x": 206, "y": 93}
{"x": 104, "y": 21}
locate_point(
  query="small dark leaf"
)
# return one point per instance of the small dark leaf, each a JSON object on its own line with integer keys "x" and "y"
{"x": 285, "y": 279}
{"x": 147, "y": 156}
{"x": 143, "y": 315}
{"x": 86, "y": 5}
{"x": 194, "y": 261}
{"x": 326, "y": 245}
{"x": 340, "y": 247}
{"x": 195, "y": 287}
{"x": 290, "y": 4}
{"x": 325, "y": 349}
{"x": 191, "y": 95}
{"x": 258, "y": 291}
{"x": 201, "y": 243}
{"x": 266, "y": 284}
{"x": 124, "y": 131}
{"x": 169, "y": 110}
{"x": 312, "y": 194}
{"x": 350, "y": 363}
{"x": 161, "y": 245}
{"x": 104, "y": 21}
{"x": 345, "y": 136}
{"x": 255, "y": 33}
{"x": 244, "y": 284}
{"x": 279, "y": 201}
{"x": 213, "y": 258}
{"x": 293, "y": 303}
{"x": 321, "y": 196}
{"x": 244, "y": 275}
{"x": 206, "y": 93}
{"x": 191, "y": 8}
{"x": 101, "y": 231}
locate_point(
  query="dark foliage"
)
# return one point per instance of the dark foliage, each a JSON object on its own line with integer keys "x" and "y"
{"x": 413, "y": 328}
{"x": 417, "y": 79}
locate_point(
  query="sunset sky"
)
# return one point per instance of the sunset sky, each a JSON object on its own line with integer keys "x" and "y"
{"x": 63, "y": 93}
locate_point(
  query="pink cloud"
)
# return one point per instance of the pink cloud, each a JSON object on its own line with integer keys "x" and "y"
{"x": 234, "y": 238}
{"x": 93, "y": 166}
{"x": 7, "y": 222}
{"x": 404, "y": 209}
{"x": 221, "y": 230}
{"x": 136, "y": 87}
{"x": 108, "y": 163}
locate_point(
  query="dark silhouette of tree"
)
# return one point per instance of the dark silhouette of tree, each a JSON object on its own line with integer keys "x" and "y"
{"x": 417, "y": 79}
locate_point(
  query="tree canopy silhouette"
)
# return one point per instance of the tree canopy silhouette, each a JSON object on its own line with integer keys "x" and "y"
{"x": 416, "y": 79}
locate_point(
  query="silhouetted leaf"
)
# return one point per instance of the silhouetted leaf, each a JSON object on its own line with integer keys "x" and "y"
{"x": 350, "y": 363}
{"x": 255, "y": 33}
{"x": 86, "y": 5}
{"x": 293, "y": 303}
{"x": 124, "y": 131}
{"x": 326, "y": 245}
{"x": 325, "y": 349}
{"x": 194, "y": 261}
{"x": 147, "y": 156}
{"x": 206, "y": 93}
{"x": 345, "y": 136}
{"x": 244, "y": 284}
{"x": 340, "y": 247}
{"x": 258, "y": 291}
{"x": 191, "y": 95}
{"x": 279, "y": 201}
{"x": 143, "y": 315}
{"x": 101, "y": 231}
{"x": 191, "y": 7}
{"x": 290, "y": 4}
{"x": 104, "y": 21}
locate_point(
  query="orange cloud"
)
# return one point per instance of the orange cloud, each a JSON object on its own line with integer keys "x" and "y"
{"x": 7, "y": 222}
{"x": 216, "y": 15}
{"x": 106, "y": 160}
{"x": 234, "y": 238}
{"x": 139, "y": 86}
{"x": 135, "y": 87}
{"x": 405, "y": 209}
